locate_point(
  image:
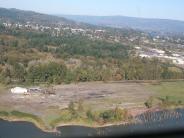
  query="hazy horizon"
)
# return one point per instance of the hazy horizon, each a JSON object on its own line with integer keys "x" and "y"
{"x": 61, "y": 15}
{"x": 156, "y": 9}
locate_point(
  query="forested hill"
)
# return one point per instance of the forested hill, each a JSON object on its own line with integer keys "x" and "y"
{"x": 15, "y": 15}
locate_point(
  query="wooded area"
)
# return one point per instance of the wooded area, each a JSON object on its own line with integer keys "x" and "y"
{"x": 36, "y": 57}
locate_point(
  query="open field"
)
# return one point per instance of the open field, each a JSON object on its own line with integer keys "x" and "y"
{"x": 97, "y": 96}
{"x": 174, "y": 90}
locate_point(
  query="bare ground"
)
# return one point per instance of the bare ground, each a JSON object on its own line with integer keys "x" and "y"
{"x": 96, "y": 95}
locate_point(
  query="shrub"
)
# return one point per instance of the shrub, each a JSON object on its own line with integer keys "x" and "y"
{"x": 107, "y": 115}
{"x": 80, "y": 106}
{"x": 73, "y": 112}
{"x": 149, "y": 102}
{"x": 4, "y": 113}
{"x": 70, "y": 77}
{"x": 120, "y": 114}
{"x": 90, "y": 115}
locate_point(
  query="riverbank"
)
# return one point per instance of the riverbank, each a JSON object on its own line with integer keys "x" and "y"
{"x": 157, "y": 121}
{"x": 41, "y": 125}
{"x": 54, "y": 130}
{"x": 43, "y": 128}
{"x": 134, "y": 112}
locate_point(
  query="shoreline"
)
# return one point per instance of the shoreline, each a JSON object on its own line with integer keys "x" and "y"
{"x": 28, "y": 121}
{"x": 95, "y": 125}
{"x": 55, "y": 129}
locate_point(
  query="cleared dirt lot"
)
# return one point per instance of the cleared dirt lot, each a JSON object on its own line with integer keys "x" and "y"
{"x": 96, "y": 95}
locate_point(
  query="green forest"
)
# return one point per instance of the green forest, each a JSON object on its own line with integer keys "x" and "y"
{"x": 36, "y": 57}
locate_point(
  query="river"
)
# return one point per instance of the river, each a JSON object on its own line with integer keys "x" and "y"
{"x": 158, "y": 121}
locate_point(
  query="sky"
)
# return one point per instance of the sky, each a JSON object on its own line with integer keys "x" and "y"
{"x": 164, "y": 9}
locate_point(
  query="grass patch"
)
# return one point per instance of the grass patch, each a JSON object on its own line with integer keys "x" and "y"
{"x": 173, "y": 90}
{"x": 65, "y": 116}
{"x": 26, "y": 115}
{"x": 29, "y": 117}
{"x": 23, "y": 116}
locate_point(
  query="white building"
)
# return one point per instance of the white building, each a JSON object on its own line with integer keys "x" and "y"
{"x": 19, "y": 90}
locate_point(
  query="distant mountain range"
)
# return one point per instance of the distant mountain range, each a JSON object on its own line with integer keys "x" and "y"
{"x": 155, "y": 25}
{"x": 161, "y": 25}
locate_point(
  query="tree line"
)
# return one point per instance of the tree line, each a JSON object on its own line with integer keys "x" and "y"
{"x": 57, "y": 73}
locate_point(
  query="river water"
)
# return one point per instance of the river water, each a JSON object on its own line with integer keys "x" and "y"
{"x": 158, "y": 121}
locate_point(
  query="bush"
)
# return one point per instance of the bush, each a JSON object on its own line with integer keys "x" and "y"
{"x": 73, "y": 112}
{"x": 4, "y": 113}
{"x": 107, "y": 115}
{"x": 90, "y": 115}
{"x": 149, "y": 102}
{"x": 71, "y": 107}
{"x": 80, "y": 106}
{"x": 70, "y": 77}
{"x": 119, "y": 114}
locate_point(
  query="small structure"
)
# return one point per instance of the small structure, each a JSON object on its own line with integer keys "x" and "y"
{"x": 35, "y": 90}
{"x": 19, "y": 90}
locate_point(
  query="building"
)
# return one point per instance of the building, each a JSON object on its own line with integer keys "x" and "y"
{"x": 19, "y": 90}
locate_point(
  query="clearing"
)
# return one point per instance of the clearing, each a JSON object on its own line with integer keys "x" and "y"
{"x": 96, "y": 95}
